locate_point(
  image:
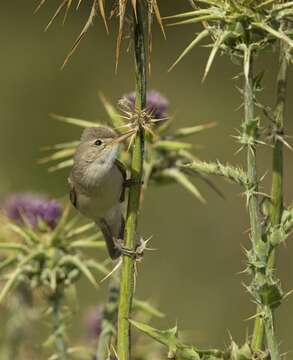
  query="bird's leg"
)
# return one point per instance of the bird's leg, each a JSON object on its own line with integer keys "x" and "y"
{"x": 131, "y": 182}
{"x": 111, "y": 243}
{"x": 135, "y": 254}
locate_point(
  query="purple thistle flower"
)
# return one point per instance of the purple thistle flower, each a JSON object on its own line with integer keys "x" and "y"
{"x": 156, "y": 104}
{"x": 93, "y": 322}
{"x": 33, "y": 207}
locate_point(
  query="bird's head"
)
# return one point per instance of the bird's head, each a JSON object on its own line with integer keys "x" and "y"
{"x": 99, "y": 145}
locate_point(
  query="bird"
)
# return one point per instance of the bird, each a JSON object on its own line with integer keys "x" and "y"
{"x": 97, "y": 183}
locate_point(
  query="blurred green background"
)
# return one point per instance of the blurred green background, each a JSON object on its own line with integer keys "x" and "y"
{"x": 194, "y": 274}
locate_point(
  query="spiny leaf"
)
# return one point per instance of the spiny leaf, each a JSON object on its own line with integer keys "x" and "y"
{"x": 192, "y": 130}
{"x": 203, "y": 34}
{"x": 86, "y": 244}
{"x": 7, "y": 262}
{"x": 165, "y": 337}
{"x": 85, "y": 29}
{"x": 10, "y": 283}
{"x": 41, "y": 3}
{"x": 98, "y": 267}
{"x": 57, "y": 12}
{"x": 61, "y": 165}
{"x": 188, "y": 14}
{"x": 122, "y": 8}
{"x": 213, "y": 53}
{"x": 74, "y": 121}
{"x": 155, "y": 6}
{"x": 57, "y": 155}
{"x": 277, "y": 34}
{"x": 116, "y": 121}
{"x": 66, "y": 145}
{"x": 81, "y": 229}
{"x": 60, "y": 226}
{"x": 246, "y": 61}
{"x": 171, "y": 145}
{"x": 183, "y": 180}
{"x": 147, "y": 308}
{"x": 21, "y": 232}
{"x": 197, "y": 20}
{"x": 74, "y": 260}
{"x": 102, "y": 11}
{"x": 14, "y": 246}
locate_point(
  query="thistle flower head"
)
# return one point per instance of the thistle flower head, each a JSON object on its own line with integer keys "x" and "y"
{"x": 32, "y": 208}
{"x": 156, "y": 103}
{"x": 93, "y": 322}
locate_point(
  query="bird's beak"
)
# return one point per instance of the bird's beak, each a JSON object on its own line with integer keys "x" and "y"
{"x": 124, "y": 136}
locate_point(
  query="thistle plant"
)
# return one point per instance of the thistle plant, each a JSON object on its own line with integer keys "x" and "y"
{"x": 242, "y": 29}
{"x": 46, "y": 252}
{"x": 47, "y": 256}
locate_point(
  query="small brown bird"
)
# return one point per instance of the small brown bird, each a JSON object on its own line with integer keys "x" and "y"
{"x": 97, "y": 183}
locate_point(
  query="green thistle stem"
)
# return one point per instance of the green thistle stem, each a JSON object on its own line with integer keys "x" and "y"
{"x": 277, "y": 182}
{"x": 109, "y": 321}
{"x": 251, "y": 128}
{"x": 127, "y": 271}
{"x": 60, "y": 344}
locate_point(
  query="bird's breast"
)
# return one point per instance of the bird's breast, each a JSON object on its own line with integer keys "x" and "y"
{"x": 97, "y": 198}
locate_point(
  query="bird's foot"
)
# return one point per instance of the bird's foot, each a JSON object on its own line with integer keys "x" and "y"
{"x": 137, "y": 253}
{"x": 131, "y": 182}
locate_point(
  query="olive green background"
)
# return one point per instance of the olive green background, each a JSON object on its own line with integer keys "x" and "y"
{"x": 194, "y": 275}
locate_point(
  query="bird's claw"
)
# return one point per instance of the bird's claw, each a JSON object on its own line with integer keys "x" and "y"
{"x": 131, "y": 182}
{"x": 136, "y": 254}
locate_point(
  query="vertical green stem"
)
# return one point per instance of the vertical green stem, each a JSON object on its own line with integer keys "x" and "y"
{"x": 277, "y": 177}
{"x": 109, "y": 321}
{"x": 277, "y": 181}
{"x": 60, "y": 344}
{"x": 127, "y": 272}
{"x": 250, "y": 129}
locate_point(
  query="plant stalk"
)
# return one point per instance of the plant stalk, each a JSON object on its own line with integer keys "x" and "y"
{"x": 251, "y": 129}
{"x": 277, "y": 182}
{"x": 128, "y": 264}
{"x": 109, "y": 321}
{"x": 60, "y": 344}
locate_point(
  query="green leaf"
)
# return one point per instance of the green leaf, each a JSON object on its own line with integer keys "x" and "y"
{"x": 165, "y": 337}
{"x": 115, "y": 120}
{"x": 171, "y": 145}
{"x": 169, "y": 339}
{"x": 57, "y": 155}
{"x": 81, "y": 229}
{"x": 192, "y": 130}
{"x": 66, "y": 145}
{"x": 61, "y": 165}
{"x": 146, "y": 308}
{"x": 10, "y": 283}
{"x": 219, "y": 41}
{"x": 277, "y": 34}
{"x": 74, "y": 121}
{"x": 243, "y": 353}
{"x": 188, "y": 14}
{"x": 198, "y": 19}
{"x": 74, "y": 260}
{"x": 271, "y": 295}
{"x": 193, "y": 43}
{"x": 7, "y": 262}
{"x": 28, "y": 238}
{"x": 13, "y": 246}
{"x": 183, "y": 180}
{"x": 87, "y": 244}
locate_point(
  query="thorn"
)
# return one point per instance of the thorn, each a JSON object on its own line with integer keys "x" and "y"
{"x": 116, "y": 267}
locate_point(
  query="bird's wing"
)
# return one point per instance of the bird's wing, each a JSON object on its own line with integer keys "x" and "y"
{"x": 72, "y": 193}
{"x": 122, "y": 168}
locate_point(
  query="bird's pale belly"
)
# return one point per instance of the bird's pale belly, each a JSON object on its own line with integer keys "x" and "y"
{"x": 102, "y": 197}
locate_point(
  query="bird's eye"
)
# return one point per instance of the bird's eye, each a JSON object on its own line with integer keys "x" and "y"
{"x": 98, "y": 142}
